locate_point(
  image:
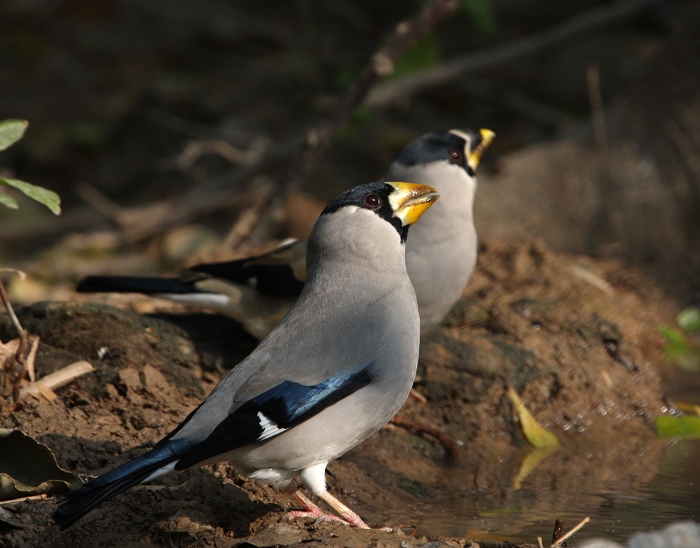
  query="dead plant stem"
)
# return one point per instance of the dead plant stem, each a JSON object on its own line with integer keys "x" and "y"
{"x": 23, "y": 341}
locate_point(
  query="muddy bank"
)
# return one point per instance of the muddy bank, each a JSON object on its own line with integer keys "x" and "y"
{"x": 576, "y": 338}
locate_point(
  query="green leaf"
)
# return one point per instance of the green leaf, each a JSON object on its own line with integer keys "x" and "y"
{"x": 28, "y": 467}
{"x": 680, "y": 349}
{"x": 42, "y": 195}
{"x": 8, "y": 201}
{"x": 672, "y": 427}
{"x": 11, "y": 131}
{"x": 673, "y": 336}
{"x": 689, "y": 319}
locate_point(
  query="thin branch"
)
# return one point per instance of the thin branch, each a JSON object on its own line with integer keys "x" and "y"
{"x": 609, "y": 189}
{"x": 417, "y": 81}
{"x": 406, "y": 34}
{"x": 595, "y": 96}
{"x": 23, "y": 341}
{"x": 140, "y": 223}
{"x": 63, "y": 376}
{"x": 573, "y": 531}
{"x": 382, "y": 63}
{"x": 31, "y": 359}
{"x": 214, "y": 195}
{"x": 98, "y": 201}
{"x": 23, "y": 499}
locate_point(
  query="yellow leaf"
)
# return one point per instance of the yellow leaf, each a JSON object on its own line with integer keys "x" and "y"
{"x": 538, "y": 436}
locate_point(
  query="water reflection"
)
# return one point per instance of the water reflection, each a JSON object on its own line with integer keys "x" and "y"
{"x": 618, "y": 504}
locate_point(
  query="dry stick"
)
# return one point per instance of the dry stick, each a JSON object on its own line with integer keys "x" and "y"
{"x": 22, "y": 499}
{"x": 59, "y": 378}
{"x": 31, "y": 359}
{"x": 19, "y": 355}
{"x": 247, "y": 220}
{"x": 595, "y": 96}
{"x": 609, "y": 187}
{"x": 575, "y": 530}
{"x": 406, "y": 34}
{"x": 220, "y": 192}
{"x": 319, "y": 138}
{"x": 452, "y": 70}
{"x": 98, "y": 201}
{"x": 140, "y": 223}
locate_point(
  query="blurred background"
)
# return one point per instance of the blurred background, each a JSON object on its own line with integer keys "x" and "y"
{"x": 172, "y": 129}
{"x": 165, "y": 126}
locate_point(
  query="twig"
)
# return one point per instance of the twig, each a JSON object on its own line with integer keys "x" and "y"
{"x": 138, "y": 224}
{"x": 382, "y": 63}
{"x": 406, "y": 34}
{"x": 417, "y": 81}
{"x": 575, "y": 530}
{"x": 98, "y": 201}
{"x": 22, "y": 499}
{"x": 31, "y": 359}
{"x": 609, "y": 186}
{"x": 595, "y": 96}
{"x": 19, "y": 355}
{"x": 247, "y": 219}
{"x": 588, "y": 277}
{"x": 194, "y": 150}
{"x": 59, "y": 378}
{"x": 214, "y": 195}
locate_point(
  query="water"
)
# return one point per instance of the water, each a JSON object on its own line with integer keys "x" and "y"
{"x": 617, "y": 507}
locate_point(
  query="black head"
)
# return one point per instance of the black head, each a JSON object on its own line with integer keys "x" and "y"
{"x": 373, "y": 197}
{"x": 454, "y": 147}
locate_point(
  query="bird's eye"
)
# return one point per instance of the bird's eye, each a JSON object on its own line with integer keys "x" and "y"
{"x": 455, "y": 156}
{"x": 372, "y": 200}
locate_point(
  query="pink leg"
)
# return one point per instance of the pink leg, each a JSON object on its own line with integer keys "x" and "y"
{"x": 417, "y": 395}
{"x": 310, "y": 510}
{"x": 348, "y": 515}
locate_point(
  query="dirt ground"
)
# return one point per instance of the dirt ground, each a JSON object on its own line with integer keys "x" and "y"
{"x": 117, "y": 91}
{"x": 577, "y": 338}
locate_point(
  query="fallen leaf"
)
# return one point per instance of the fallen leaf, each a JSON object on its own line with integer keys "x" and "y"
{"x": 538, "y": 436}
{"x": 685, "y": 426}
{"x": 28, "y": 467}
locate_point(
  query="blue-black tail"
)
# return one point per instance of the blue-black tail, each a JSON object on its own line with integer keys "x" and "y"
{"x": 136, "y": 284}
{"x": 158, "y": 461}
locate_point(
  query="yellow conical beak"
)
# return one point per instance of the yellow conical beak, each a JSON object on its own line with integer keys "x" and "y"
{"x": 409, "y": 201}
{"x": 474, "y": 155}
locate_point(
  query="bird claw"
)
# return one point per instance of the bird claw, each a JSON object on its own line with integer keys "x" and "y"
{"x": 311, "y": 510}
{"x": 318, "y": 515}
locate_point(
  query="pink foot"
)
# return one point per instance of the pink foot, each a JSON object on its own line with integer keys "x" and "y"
{"x": 417, "y": 395}
{"x": 310, "y": 510}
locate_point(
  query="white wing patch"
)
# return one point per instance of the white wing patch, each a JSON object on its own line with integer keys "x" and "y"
{"x": 206, "y": 300}
{"x": 269, "y": 427}
{"x": 160, "y": 472}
